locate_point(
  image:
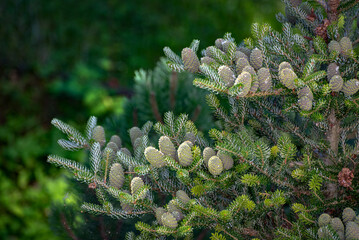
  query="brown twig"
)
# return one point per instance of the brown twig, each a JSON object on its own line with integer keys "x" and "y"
{"x": 67, "y": 227}
{"x": 173, "y": 88}
{"x": 154, "y": 107}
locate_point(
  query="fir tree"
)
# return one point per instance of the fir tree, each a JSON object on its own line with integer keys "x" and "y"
{"x": 287, "y": 152}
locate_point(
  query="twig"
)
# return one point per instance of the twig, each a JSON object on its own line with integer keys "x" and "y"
{"x": 67, "y": 227}
{"x": 154, "y": 107}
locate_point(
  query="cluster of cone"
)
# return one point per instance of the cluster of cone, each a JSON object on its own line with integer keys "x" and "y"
{"x": 216, "y": 162}
{"x": 116, "y": 174}
{"x": 337, "y": 83}
{"x": 347, "y": 228}
{"x": 287, "y": 77}
{"x": 183, "y": 155}
{"x": 343, "y": 47}
{"x": 246, "y": 69}
{"x": 170, "y": 216}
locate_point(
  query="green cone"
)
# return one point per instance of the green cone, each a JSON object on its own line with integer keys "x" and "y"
{"x": 126, "y": 151}
{"x": 159, "y": 212}
{"x": 185, "y": 156}
{"x": 246, "y": 79}
{"x": 207, "y": 60}
{"x": 334, "y": 46}
{"x": 135, "y": 133}
{"x": 337, "y": 224}
{"x": 265, "y": 79}
{"x": 155, "y": 157}
{"x": 256, "y": 58}
{"x": 210, "y": 52}
{"x": 348, "y": 215}
{"x": 190, "y": 60}
{"x": 305, "y": 103}
{"x": 239, "y": 54}
{"x": 207, "y": 154}
{"x": 336, "y": 83}
{"x": 350, "y": 87}
{"x": 226, "y": 75}
{"x": 219, "y": 43}
{"x": 241, "y": 63}
{"x": 113, "y": 146}
{"x": 215, "y": 165}
{"x": 190, "y": 137}
{"x": 352, "y": 231}
{"x": 182, "y": 196}
{"x": 116, "y": 176}
{"x": 324, "y": 219}
{"x": 287, "y": 77}
{"x": 226, "y": 159}
{"x": 116, "y": 139}
{"x": 305, "y": 92}
{"x": 166, "y": 146}
{"x": 346, "y": 46}
{"x": 284, "y": 65}
{"x": 136, "y": 184}
{"x": 333, "y": 69}
{"x": 98, "y": 134}
{"x": 169, "y": 220}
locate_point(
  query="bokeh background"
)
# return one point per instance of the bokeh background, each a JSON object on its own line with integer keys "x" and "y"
{"x": 73, "y": 59}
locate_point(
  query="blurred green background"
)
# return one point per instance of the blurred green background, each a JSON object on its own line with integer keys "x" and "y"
{"x": 72, "y": 59}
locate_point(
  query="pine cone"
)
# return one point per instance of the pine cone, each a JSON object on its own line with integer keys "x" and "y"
{"x": 348, "y": 215}
{"x": 166, "y": 146}
{"x": 284, "y": 65}
{"x": 207, "y": 154}
{"x": 239, "y": 54}
{"x": 177, "y": 215}
{"x": 246, "y": 79}
{"x": 113, "y": 146}
{"x": 305, "y": 92}
{"x": 171, "y": 206}
{"x": 210, "y": 52}
{"x": 215, "y": 165}
{"x": 333, "y": 69}
{"x": 265, "y": 79}
{"x": 137, "y": 143}
{"x": 126, "y": 151}
{"x": 324, "y": 220}
{"x": 169, "y": 220}
{"x": 159, "y": 212}
{"x": 357, "y": 220}
{"x": 305, "y": 103}
{"x": 256, "y": 58}
{"x": 185, "y": 156}
{"x": 182, "y": 196}
{"x": 116, "y": 176}
{"x": 226, "y": 159}
{"x": 345, "y": 177}
{"x": 207, "y": 60}
{"x": 336, "y": 83}
{"x": 219, "y": 43}
{"x": 352, "y": 231}
{"x": 116, "y": 139}
{"x": 136, "y": 184}
{"x": 350, "y": 87}
{"x": 333, "y": 9}
{"x": 135, "y": 133}
{"x": 98, "y": 134}
{"x": 287, "y": 77}
{"x": 346, "y": 46}
{"x": 337, "y": 224}
{"x": 155, "y": 157}
{"x": 334, "y": 46}
{"x": 323, "y": 232}
{"x": 321, "y": 30}
{"x": 241, "y": 64}
{"x": 226, "y": 75}
{"x": 190, "y": 60}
